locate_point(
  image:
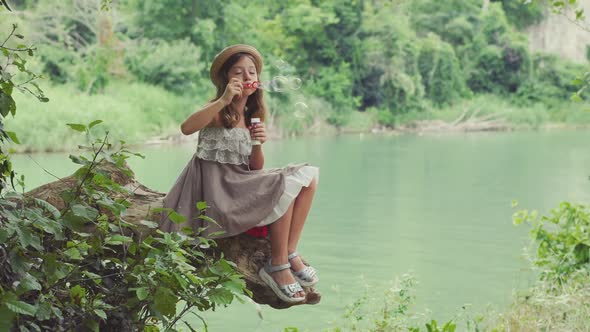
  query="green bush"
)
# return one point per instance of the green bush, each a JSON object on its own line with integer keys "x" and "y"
{"x": 85, "y": 267}
{"x": 136, "y": 111}
{"x": 522, "y": 14}
{"x": 459, "y": 31}
{"x": 561, "y": 240}
{"x": 498, "y": 59}
{"x": 551, "y": 82}
{"x": 175, "y": 65}
{"x": 441, "y": 73}
{"x": 334, "y": 84}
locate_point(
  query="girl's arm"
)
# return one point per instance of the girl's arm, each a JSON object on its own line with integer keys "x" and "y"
{"x": 202, "y": 117}
{"x": 256, "y": 158}
{"x": 205, "y": 115}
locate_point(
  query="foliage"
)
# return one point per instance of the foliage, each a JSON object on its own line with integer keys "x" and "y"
{"x": 79, "y": 43}
{"x": 85, "y": 266}
{"x": 133, "y": 110}
{"x": 497, "y": 60}
{"x": 13, "y": 75}
{"x": 547, "y": 307}
{"x": 170, "y": 67}
{"x": 391, "y": 313}
{"x": 391, "y": 78}
{"x": 561, "y": 240}
{"x": 441, "y": 72}
{"x": 392, "y": 55}
{"x": 551, "y": 81}
{"x": 520, "y": 14}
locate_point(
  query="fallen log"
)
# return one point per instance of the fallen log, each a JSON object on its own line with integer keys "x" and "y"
{"x": 247, "y": 252}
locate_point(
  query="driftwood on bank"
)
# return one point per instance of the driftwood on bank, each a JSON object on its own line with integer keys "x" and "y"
{"x": 247, "y": 252}
{"x": 466, "y": 122}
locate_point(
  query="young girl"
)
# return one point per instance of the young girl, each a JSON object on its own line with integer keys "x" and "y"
{"x": 226, "y": 172}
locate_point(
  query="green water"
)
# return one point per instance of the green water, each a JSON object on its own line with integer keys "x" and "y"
{"x": 438, "y": 206}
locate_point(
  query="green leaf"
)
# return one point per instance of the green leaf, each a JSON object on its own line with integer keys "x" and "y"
{"x": 142, "y": 293}
{"x": 208, "y": 219}
{"x": 77, "y": 126}
{"x": 6, "y": 318}
{"x": 27, "y": 238}
{"x": 77, "y": 293}
{"x": 576, "y": 97}
{"x": 7, "y": 104}
{"x": 176, "y": 218}
{"x": 165, "y": 302}
{"x": 48, "y": 207}
{"x": 100, "y": 313}
{"x": 28, "y": 283}
{"x": 201, "y": 206}
{"x": 21, "y": 307}
{"x": 12, "y": 136}
{"x": 94, "y": 123}
{"x": 93, "y": 276}
{"x": 220, "y": 296}
{"x": 79, "y": 160}
{"x": 73, "y": 253}
{"x": 73, "y": 222}
{"x": 86, "y": 212}
{"x": 118, "y": 239}
{"x": 43, "y": 310}
{"x": 149, "y": 224}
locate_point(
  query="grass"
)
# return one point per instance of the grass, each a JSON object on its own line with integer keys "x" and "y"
{"x": 130, "y": 111}
{"x": 521, "y": 116}
{"x": 136, "y": 112}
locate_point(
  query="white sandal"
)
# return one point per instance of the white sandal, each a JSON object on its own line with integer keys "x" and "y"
{"x": 284, "y": 292}
{"x": 306, "y": 277}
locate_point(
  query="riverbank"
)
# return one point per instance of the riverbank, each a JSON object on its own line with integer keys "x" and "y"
{"x": 142, "y": 114}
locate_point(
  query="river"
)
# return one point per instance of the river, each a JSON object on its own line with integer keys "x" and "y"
{"x": 436, "y": 206}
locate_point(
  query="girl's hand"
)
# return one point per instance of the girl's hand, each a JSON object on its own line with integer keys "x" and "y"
{"x": 258, "y": 132}
{"x": 233, "y": 89}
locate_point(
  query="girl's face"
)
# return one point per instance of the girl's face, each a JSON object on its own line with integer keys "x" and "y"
{"x": 245, "y": 71}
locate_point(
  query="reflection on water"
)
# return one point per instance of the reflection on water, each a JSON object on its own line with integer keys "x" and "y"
{"x": 437, "y": 206}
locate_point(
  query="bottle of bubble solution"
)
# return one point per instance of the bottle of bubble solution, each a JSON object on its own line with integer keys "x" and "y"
{"x": 253, "y": 122}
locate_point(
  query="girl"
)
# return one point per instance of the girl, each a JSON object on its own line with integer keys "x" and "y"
{"x": 226, "y": 172}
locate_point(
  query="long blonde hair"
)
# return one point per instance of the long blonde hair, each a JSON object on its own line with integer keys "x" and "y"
{"x": 255, "y": 105}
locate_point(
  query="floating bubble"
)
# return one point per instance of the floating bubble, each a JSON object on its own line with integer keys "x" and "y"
{"x": 277, "y": 84}
{"x": 283, "y": 66}
{"x": 280, "y": 83}
{"x": 301, "y": 110}
{"x": 295, "y": 83}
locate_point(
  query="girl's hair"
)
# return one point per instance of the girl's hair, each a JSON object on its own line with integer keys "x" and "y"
{"x": 255, "y": 106}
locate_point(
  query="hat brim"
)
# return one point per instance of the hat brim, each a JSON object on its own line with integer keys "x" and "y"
{"x": 225, "y": 54}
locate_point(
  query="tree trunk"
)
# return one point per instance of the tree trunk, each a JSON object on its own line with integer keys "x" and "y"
{"x": 247, "y": 252}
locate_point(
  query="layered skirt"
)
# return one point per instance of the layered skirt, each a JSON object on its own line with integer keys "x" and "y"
{"x": 238, "y": 199}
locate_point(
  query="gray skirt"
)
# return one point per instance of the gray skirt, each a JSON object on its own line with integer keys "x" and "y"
{"x": 238, "y": 198}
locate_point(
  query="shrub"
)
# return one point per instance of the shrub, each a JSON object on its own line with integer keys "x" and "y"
{"x": 441, "y": 73}
{"x": 174, "y": 65}
{"x": 84, "y": 267}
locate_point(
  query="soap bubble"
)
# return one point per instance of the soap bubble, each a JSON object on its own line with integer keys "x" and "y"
{"x": 295, "y": 83}
{"x": 284, "y": 67}
{"x": 301, "y": 110}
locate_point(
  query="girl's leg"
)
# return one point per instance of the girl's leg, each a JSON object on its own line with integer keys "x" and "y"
{"x": 279, "y": 235}
{"x": 300, "y": 211}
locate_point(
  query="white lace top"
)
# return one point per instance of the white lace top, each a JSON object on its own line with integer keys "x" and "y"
{"x": 227, "y": 146}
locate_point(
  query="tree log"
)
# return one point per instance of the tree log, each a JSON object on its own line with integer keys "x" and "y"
{"x": 247, "y": 252}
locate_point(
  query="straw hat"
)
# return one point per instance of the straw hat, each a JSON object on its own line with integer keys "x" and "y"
{"x": 226, "y": 53}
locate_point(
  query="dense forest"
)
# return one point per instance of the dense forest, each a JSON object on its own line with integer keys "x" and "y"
{"x": 355, "y": 64}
